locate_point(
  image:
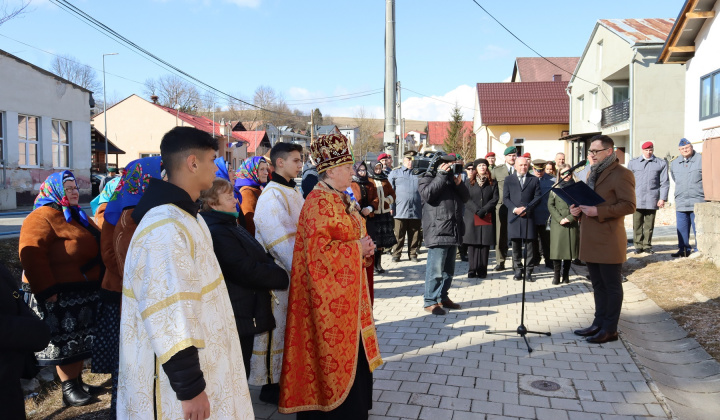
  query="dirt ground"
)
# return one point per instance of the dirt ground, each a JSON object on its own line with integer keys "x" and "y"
{"x": 48, "y": 404}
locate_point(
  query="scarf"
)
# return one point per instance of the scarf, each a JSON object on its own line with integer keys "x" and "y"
{"x": 247, "y": 173}
{"x": 222, "y": 171}
{"x": 481, "y": 180}
{"x": 53, "y": 191}
{"x": 133, "y": 183}
{"x": 105, "y": 195}
{"x": 380, "y": 177}
{"x": 357, "y": 178}
{"x": 598, "y": 168}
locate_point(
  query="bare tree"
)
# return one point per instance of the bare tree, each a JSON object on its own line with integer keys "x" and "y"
{"x": 7, "y": 13}
{"x": 367, "y": 126}
{"x": 173, "y": 91}
{"x": 69, "y": 68}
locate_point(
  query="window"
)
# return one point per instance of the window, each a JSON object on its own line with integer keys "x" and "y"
{"x": 710, "y": 95}
{"x": 61, "y": 144}
{"x": 28, "y": 140}
{"x": 519, "y": 145}
{"x": 599, "y": 54}
{"x": 581, "y": 106}
{"x": 620, "y": 94}
{"x": 144, "y": 155}
{"x": 594, "y": 99}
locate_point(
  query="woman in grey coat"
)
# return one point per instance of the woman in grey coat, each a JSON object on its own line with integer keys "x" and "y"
{"x": 483, "y": 199}
{"x": 564, "y": 231}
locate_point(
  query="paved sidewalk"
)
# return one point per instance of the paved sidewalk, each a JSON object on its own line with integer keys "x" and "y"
{"x": 447, "y": 367}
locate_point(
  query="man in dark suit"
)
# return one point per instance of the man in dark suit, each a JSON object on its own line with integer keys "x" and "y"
{"x": 499, "y": 173}
{"x": 520, "y": 189}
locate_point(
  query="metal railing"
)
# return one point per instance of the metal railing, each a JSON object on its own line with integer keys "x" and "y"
{"x": 615, "y": 113}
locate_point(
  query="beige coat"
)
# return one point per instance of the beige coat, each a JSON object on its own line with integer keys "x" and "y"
{"x": 602, "y": 238}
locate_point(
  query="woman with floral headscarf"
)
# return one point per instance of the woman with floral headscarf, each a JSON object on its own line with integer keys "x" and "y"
{"x": 250, "y": 178}
{"x": 60, "y": 253}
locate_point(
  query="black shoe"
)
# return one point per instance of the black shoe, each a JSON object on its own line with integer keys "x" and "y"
{"x": 578, "y": 262}
{"x": 681, "y": 253}
{"x": 637, "y": 252}
{"x": 529, "y": 276}
{"x": 90, "y": 389}
{"x": 414, "y": 259}
{"x": 270, "y": 394}
{"x": 464, "y": 258}
{"x": 73, "y": 394}
{"x": 379, "y": 270}
{"x": 449, "y": 304}
{"x": 500, "y": 267}
{"x": 556, "y": 280}
{"x": 472, "y": 275}
{"x": 396, "y": 259}
{"x": 603, "y": 337}
{"x": 518, "y": 275}
{"x": 587, "y": 332}
{"x": 649, "y": 251}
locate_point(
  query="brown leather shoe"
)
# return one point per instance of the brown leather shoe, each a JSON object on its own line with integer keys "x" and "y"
{"x": 603, "y": 337}
{"x": 435, "y": 309}
{"x": 588, "y": 332}
{"x": 449, "y": 304}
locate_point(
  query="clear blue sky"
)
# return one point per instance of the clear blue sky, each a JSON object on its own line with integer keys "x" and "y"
{"x": 319, "y": 48}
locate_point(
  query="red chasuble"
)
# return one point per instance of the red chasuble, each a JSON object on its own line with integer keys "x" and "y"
{"x": 328, "y": 308}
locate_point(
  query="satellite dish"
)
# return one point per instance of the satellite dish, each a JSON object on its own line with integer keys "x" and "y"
{"x": 595, "y": 116}
{"x": 505, "y": 138}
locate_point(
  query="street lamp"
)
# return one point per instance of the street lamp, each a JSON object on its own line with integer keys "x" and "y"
{"x": 107, "y": 167}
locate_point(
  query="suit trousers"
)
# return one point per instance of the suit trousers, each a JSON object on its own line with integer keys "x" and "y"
{"x": 542, "y": 244}
{"x": 517, "y": 252}
{"x": 501, "y": 234}
{"x": 606, "y": 280}
{"x": 410, "y": 228}
{"x": 685, "y": 220}
{"x": 643, "y": 225}
{"x": 478, "y": 256}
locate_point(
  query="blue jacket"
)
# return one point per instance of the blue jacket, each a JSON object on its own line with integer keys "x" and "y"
{"x": 408, "y": 204}
{"x": 687, "y": 174}
{"x": 651, "y": 181}
{"x": 542, "y": 212}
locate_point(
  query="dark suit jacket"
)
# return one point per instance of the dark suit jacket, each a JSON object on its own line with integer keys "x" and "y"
{"x": 514, "y": 196}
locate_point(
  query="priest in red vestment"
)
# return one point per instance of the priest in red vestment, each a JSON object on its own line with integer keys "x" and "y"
{"x": 331, "y": 345}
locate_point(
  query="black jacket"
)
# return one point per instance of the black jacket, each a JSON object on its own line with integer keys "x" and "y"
{"x": 442, "y": 212}
{"x": 481, "y": 203}
{"x": 21, "y": 332}
{"x": 250, "y": 273}
{"x": 515, "y": 196}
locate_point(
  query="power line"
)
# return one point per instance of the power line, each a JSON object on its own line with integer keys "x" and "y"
{"x": 537, "y": 53}
{"x": 338, "y": 96}
{"x": 436, "y": 99}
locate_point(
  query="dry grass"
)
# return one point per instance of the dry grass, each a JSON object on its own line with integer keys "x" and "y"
{"x": 48, "y": 404}
{"x": 689, "y": 289}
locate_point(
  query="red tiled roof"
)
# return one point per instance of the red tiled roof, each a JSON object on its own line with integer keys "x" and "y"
{"x": 201, "y": 123}
{"x": 523, "y": 103}
{"x": 253, "y": 138}
{"x": 640, "y": 30}
{"x": 437, "y": 131}
{"x": 537, "y": 69}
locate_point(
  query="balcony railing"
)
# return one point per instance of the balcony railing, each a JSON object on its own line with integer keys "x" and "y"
{"x": 615, "y": 113}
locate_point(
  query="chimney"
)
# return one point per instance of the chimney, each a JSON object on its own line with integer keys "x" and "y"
{"x": 557, "y": 78}
{"x": 154, "y": 98}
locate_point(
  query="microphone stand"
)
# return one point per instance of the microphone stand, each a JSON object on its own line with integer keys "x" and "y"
{"x": 521, "y": 330}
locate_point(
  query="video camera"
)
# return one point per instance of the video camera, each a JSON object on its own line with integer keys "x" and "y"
{"x": 430, "y": 161}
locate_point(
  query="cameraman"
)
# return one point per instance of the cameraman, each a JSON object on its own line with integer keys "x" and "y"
{"x": 443, "y": 195}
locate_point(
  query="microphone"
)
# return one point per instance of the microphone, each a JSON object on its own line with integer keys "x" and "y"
{"x": 574, "y": 168}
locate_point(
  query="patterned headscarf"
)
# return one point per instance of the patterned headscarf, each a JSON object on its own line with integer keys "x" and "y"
{"x": 135, "y": 179}
{"x": 356, "y": 177}
{"x": 247, "y": 173}
{"x": 53, "y": 191}
{"x": 105, "y": 195}
{"x": 222, "y": 171}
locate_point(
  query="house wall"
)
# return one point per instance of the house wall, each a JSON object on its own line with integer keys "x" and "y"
{"x": 136, "y": 126}
{"x": 350, "y": 134}
{"x": 25, "y": 90}
{"x": 540, "y": 140}
{"x": 706, "y": 60}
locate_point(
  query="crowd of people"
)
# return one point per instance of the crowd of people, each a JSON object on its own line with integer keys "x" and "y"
{"x": 187, "y": 285}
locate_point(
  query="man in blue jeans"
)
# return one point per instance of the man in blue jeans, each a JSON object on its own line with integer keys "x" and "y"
{"x": 443, "y": 194}
{"x": 686, "y": 172}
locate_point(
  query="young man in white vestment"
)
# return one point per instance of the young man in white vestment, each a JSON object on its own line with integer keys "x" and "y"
{"x": 180, "y": 354}
{"x": 276, "y": 218}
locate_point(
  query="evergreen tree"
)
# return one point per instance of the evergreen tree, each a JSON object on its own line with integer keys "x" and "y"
{"x": 458, "y": 139}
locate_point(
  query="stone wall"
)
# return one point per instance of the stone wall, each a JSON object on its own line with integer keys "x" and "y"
{"x": 707, "y": 223}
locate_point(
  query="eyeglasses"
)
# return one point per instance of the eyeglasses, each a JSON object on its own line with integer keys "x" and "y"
{"x": 595, "y": 152}
{"x": 71, "y": 189}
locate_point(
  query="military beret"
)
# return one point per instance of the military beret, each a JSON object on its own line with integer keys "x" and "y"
{"x": 684, "y": 142}
{"x": 510, "y": 149}
{"x": 489, "y": 154}
{"x": 383, "y": 156}
{"x": 647, "y": 145}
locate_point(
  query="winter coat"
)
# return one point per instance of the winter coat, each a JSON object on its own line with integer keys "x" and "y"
{"x": 442, "y": 215}
{"x": 602, "y": 238}
{"x": 482, "y": 202}
{"x": 541, "y": 213}
{"x": 250, "y": 197}
{"x": 250, "y": 273}
{"x": 22, "y": 332}
{"x": 408, "y": 204}
{"x": 687, "y": 174}
{"x": 514, "y": 197}
{"x": 651, "y": 181}
{"x": 369, "y": 198}
{"x": 310, "y": 178}
{"x": 564, "y": 239}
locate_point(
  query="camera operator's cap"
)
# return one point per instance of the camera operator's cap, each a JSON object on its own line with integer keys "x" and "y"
{"x": 329, "y": 151}
{"x": 490, "y": 154}
{"x": 382, "y": 156}
{"x": 539, "y": 164}
{"x": 410, "y": 153}
{"x": 684, "y": 142}
{"x": 510, "y": 149}
{"x": 647, "y": 145}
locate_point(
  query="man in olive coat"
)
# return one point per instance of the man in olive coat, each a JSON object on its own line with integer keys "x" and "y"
{"x": 603, "y": 242}
{"x": 499, "y": 173}
{"x": 520, "y": 189}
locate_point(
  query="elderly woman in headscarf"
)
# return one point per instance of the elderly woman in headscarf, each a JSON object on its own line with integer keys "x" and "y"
{"x": 117, "y": 230}
{"x": 98, "y": 204}
{"x": 331, "y": 345}
{"x": 250, "y": 178}
{"x": 60, "y": 255}
{"x": 365, "y": 193}
{"x": 381, "y": 227}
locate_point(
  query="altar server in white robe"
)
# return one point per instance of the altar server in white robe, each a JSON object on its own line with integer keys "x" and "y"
{"x": 276, "y": 218}
{"x": 180, "y": 354}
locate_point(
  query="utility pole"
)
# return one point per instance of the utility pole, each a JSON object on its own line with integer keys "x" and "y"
{"x": 401, "y": 125}
{"x": 390, "y": 80}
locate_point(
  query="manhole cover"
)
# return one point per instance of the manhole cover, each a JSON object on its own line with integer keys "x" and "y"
{"x": 545, "y": 385}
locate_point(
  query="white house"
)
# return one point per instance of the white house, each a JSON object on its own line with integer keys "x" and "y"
{"x": 351, "y": 133}
{"x": 44, "y": 128}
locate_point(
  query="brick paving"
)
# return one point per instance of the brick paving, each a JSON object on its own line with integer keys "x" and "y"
{"x": 448, "y": 367}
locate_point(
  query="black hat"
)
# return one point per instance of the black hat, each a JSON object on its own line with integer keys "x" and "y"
{"x": 410, "y": 153}
{"x": 479, "y": 161}
{"x": 469, "y": 165}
